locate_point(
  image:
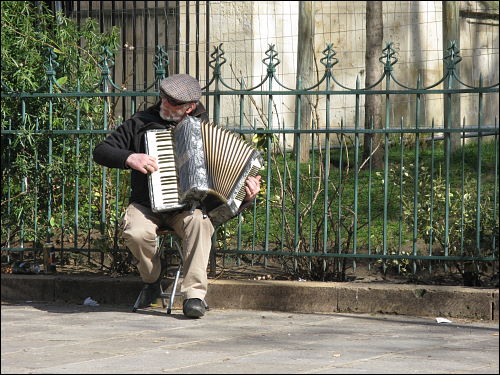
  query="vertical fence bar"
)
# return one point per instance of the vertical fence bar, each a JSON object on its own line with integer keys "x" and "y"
{"x": 401, "y": 184}
{"x": 207, "y": 49}
{"x": 9, "y": 190}
{"x": 77, "y": 167}
{"x": 283, "y": 191}
{"x": 254, "y": 213}
{"x": 370, "y": 165}
{"x": 124, "y": 59}
{"x": 495, "y": 192}
{"x": 134, "y": 43}
{"x": 326, "y": 175}
{"x": 270, "y": 72}
{"x": 242, "y": 116}
{"x": 23, "y": 185}
{"x": 113, "y": 23}
{"x": 386, "y": 161}
{"x": 224, "y": 241}
{"x": 216, "y": 119}
{"x": 313, "y": 182}
{"x": 431, "y": 213}
{"x": 63, "y": 191}
{"x": 105, "y": 89}
{"x": 133, "y": 104}
{"x": 156, "y": 13}
{"x": 50, "y": 75}
{"x": 197, "y": 41}
{"x": 78, "y": 19}
{"x": 356, "y": 174}
{"x": 101, "y": 16}
{"x": 187, "y": 36}
{"x": 298, "y": 126}
{"x": 166, "y": 32}
{"x": 447, "y": 140}
{"x": 462, "y": 203}
{"x": 117, "y": 209}
{"x": 216, "y": 94}
{"x": 416, "y": 175}
{"x": 478, "y": 167}
{"x": 145, "y": 15}
{"x": 177, "y": 35}
{"x": 90, "y": 169}
{"x": 37, "y": 168}
{"x": 90, "y": 14}
{"x": 340, "y": 190}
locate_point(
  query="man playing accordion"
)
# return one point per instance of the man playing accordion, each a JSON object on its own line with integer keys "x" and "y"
{"x": 124, "y": 148}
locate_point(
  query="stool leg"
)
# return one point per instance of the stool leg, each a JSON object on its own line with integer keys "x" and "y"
{"x": 162, "y": 296}
{"x": 177, "y": 276}
{"x": 136, "y": 304}
{"x": 174, "y": 289}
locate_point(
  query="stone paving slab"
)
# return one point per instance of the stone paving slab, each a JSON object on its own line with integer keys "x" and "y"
{"x": 56, "y": 338}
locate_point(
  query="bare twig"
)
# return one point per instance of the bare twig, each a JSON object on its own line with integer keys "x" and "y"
{"x": 368, "y": 158}
{"x": 15, "y": 197}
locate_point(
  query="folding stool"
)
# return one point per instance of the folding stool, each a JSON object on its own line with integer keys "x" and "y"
{"x": 163, "y": 235}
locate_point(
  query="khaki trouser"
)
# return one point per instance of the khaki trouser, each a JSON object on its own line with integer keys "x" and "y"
{"x": 139, "y": 231}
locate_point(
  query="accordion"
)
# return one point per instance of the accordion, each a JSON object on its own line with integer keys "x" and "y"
{"x": 200, "y": 165}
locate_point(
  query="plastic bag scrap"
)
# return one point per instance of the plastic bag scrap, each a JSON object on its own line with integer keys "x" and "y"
{"x": 26, "y": 268}
{"x": 90, "y": 302}
{"x": 443, "y": 320}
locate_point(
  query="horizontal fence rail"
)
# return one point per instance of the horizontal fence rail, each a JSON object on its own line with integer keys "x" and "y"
{"x": 423, "y": 202}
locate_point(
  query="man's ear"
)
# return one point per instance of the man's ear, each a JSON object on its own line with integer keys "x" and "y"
{"x": 191, "y": 108}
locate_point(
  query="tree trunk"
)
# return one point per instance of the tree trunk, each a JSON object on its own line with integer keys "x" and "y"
{"x": 451, "y": 31}
{"x": 305, "y": 70}
{"x": 373, "y": 103}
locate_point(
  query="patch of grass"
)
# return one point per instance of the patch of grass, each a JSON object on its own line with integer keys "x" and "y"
{"x": 352, "y": 206}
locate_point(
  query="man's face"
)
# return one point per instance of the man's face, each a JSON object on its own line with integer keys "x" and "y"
{"x": 170, "y": 110}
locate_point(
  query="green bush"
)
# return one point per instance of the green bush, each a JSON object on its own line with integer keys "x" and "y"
{"x": 39, "y": 165}
{"x": 472, "y": 219}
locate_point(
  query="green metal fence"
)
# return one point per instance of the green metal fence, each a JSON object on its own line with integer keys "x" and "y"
{"x": 426, "y": 202}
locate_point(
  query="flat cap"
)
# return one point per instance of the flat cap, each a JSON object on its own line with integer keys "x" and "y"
{"x": 181, "y": 87}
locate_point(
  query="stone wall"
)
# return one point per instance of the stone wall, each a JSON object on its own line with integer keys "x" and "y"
{"x": 247, "y": 28}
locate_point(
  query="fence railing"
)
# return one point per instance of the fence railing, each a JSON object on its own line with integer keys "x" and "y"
{"x": 425, "y": 202}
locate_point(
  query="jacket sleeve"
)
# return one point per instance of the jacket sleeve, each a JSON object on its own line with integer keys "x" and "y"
{"x": 114, "y": 150}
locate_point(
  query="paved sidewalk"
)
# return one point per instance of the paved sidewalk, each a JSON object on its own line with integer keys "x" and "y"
{"x": 70, "y": 338}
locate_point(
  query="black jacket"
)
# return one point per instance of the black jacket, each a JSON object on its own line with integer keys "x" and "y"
{"x": 127, "y": 139}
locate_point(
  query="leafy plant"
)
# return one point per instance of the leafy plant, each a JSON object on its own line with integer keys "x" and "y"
{"x": 46, "y": 52}
{"x": 470, "y": 219}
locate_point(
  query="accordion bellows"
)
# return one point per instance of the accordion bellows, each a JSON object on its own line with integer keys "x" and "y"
{"x": 202, "y": 165}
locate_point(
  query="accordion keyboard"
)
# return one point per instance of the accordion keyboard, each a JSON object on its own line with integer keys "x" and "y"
{"x": 161, "y": 144}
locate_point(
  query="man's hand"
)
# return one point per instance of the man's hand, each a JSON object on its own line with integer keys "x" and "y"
{"x": 143, "y": 163}
{"x": 252, "y": 188}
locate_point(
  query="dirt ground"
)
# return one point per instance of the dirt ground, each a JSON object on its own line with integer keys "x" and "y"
{"x": 273, "y": 268}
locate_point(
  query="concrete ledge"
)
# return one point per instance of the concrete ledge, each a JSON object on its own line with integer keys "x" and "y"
{"x": 403, "y": 299}
{"x": 293, "y": 296}
{"x": 69, "y": 288}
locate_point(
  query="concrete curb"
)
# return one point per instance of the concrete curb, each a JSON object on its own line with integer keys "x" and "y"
{"x": 291, "y": 296}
